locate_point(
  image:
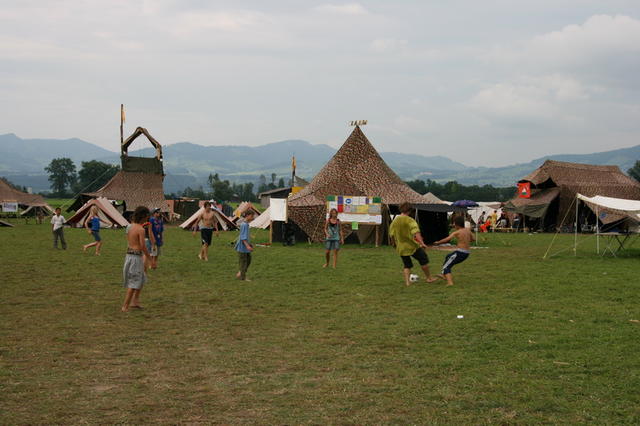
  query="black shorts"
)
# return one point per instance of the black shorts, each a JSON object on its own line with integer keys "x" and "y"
{"x": 418, "y": 255}
{"x": 206, "y": 234}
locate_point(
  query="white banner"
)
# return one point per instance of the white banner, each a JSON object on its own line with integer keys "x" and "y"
{"x": 10, "y": 206}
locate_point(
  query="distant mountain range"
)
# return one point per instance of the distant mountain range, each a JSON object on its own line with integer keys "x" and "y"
{"x": 188, "y": 164}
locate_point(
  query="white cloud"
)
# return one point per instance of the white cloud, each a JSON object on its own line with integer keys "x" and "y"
{"x": 388, "y": 45}
{"x": 342, "y": 9}
{"x": 530, "y": 98}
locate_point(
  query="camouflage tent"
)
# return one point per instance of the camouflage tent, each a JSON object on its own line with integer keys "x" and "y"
{"x": 356, "y": 169}
{"x": 555, "y": 184}
{"x": 139, "y": 183}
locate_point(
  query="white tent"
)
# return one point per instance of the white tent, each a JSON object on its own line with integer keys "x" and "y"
{"x": 621, "y": 206}
{"x": 263, "y": 221}
{"x": 484, "y": 206}
{"x": 109, "y": 216}
{"x": 224, "y": 223}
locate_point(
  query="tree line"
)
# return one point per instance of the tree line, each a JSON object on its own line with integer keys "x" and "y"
{"x": 66, "y": 182}
{"x": 452, "y": 191}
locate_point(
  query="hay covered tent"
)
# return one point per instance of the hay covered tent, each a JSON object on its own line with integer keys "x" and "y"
{"x": 554, "y": 187}
{"x": 358, "y": 170}
{"x": 28, "y": 202}
{"x": 139, "y": 183}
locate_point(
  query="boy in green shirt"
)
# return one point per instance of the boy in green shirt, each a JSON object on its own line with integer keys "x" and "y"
{"x": 405, "y": 236}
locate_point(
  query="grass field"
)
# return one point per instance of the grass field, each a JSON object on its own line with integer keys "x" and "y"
{"x": 541, "y": 341}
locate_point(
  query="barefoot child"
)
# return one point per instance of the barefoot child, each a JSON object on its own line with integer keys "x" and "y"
{"x": 464, "y": 238}
{"x": 133, "y": 270}
{"x": 209, "y": 224}
{"x": 407, "y": 239}
{"x": 157, "y": 227}
{"x": 244, "y": 247}
{"x": 334, "y": 237}
{"x": 93, "y": 228}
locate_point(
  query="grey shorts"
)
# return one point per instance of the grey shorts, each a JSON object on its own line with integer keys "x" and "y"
{"x": 152, "y": 252}
{"x": 133, "y": 272}
{"x": 332, "y": 245}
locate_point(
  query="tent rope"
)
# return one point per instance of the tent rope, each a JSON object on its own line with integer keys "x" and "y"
{"x": 83, "y": 189}
{"x": 569, "y": 209}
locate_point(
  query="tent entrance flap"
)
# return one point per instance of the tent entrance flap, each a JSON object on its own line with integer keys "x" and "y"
{"x": 536, "y": 206}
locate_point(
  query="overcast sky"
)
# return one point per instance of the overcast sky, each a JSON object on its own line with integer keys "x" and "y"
{"x": 490, "y": 82}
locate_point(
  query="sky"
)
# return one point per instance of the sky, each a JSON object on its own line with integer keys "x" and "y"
{"x": 486, "y": 83}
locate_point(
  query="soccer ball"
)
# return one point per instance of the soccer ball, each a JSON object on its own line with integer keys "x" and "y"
{"x": 413, "y": 278}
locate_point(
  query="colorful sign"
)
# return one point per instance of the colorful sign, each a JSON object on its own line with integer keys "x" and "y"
{"x": 356, "y": 209}
{"x": 524, "y": 190}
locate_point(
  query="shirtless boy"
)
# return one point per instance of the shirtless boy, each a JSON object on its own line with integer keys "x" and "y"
{"x": 133, "y": 270}
{"x": 464, "y": 237}
{"x": 209, "y": 224}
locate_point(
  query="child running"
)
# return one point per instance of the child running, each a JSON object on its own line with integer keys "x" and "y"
{"x": 93, "y": 228}
{"x": 406, "y": 238}
{"x": 464, "y": 238}
{"x": 134, "y": 269}
{"x": 244, "y": 247}
{"x": 334, "y": 237}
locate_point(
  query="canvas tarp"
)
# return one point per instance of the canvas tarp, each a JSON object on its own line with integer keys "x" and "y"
{"x": 3, "y": 223}
{"x": 536, "y": 206}
{"x": 224, "y": 223}
{"x": 33, "y": 210}
{"x": 243, "y": 207}
{"x": 611, "y": 209}
{"x": 109, "y": 216}
{"x": 263, "y": 221}
{"x": 484, "y": 206}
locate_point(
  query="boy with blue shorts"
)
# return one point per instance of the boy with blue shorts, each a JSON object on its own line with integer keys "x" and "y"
{"x": 464, "y": 237}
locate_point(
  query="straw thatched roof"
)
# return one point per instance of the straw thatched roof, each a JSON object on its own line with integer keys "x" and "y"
{"x": 587, "y": 179}
{"x": 7, "y": 193}
{"x": 356, "y": 169}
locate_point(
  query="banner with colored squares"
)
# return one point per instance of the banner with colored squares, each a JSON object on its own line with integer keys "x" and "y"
{"x": 358, "y": 209}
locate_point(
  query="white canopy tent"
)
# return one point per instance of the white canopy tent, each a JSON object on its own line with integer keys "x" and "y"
{"x": 608, "y": 210}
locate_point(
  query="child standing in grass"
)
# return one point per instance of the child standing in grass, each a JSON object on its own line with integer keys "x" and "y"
{"x": 244, "y": 247}
{"x": 134, "y": 269}
{"x": 334, "y": 237}
{"x": 93, "y": 228}
{"x": 57, "y": 227}
{"x": 464, "y": 238}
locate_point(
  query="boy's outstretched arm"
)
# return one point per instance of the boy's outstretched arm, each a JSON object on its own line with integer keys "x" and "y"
{"x": 447, "y": 239}
{"x": 418, "y": 237}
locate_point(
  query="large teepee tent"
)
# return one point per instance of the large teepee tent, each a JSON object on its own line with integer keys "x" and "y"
{"x": 356, "y": 169}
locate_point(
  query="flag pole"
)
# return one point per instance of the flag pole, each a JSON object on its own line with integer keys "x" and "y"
{"x": 121, "y": 124}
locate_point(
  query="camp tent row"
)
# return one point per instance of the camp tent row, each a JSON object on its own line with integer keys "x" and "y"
{"x": 555, "y": 185}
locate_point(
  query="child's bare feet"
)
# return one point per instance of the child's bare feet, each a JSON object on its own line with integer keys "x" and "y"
{"x": 440, "y": 276}
{"x": 84, "y": 249}
{"x": 325, "y": 265}
{"x": 432, "y": 280}
{"x": 125, "y": 309}
{"x": 199, "y": 256}
{"x": 238, "y": 275}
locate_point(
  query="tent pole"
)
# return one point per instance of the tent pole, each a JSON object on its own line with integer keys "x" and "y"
{"x": 597, "y": 230}
{"x": 575, "y": 239}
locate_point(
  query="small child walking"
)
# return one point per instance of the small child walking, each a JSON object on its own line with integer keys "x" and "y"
{"x": 334, "y": 237}
{"x": 464, "y": 237}
{"x": 244, "y": 247}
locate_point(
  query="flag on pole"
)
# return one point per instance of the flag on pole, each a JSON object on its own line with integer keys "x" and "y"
{"x": 122, "y": 116}
{"x": 524, "y": 190}
{"x": 293, "y": 163}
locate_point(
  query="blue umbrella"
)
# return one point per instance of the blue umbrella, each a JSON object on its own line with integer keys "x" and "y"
{"x": 464, "y": 203}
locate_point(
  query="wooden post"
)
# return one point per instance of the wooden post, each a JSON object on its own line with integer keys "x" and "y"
{"x": 121, "y": 124}
{"x": 271, "y": 232}
{"x": 377, "y": 235}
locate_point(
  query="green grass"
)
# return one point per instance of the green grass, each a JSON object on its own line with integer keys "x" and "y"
{"x": 542, "y": 341}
